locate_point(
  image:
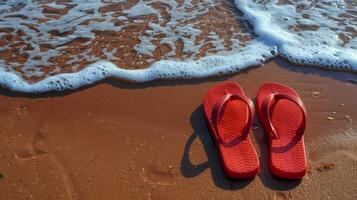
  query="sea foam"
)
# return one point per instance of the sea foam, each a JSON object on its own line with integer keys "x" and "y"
{"x": 303, "y": 32}
{"x": 321, "y": 47}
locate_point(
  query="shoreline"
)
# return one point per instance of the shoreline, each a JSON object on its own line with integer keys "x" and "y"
{"x": 149, "y": 140}
{"x": 182, "y": 81}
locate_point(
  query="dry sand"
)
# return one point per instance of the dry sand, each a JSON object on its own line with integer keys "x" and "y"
{"x": 117, "y": 140}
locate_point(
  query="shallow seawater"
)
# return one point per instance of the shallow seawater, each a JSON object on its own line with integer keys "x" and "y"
{"x": 43, "y": 43}
{"x": 45, "y": 38}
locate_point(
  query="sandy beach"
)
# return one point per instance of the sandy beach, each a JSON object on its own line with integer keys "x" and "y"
{"x": 122, "y": 140}
{"x": 117, "y": 140}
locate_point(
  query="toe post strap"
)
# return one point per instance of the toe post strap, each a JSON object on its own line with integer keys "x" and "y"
{"x": 266, "y": 109}
{"x": 217, "y": 114}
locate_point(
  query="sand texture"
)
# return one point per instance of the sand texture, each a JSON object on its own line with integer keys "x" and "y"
{"x": 117, "y": 140}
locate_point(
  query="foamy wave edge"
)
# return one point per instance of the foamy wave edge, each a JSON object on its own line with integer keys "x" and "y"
{"x": 271, "y": 41}
{"x": 204, "y": 67}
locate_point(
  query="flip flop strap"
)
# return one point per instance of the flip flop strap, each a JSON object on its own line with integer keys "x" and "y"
{"x": 217, "y": 114}
{"x": 266, "y": 105}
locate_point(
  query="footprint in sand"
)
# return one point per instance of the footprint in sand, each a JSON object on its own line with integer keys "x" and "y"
{"x": 55, "y": 173}
{"x": 32, "y": 150}
{"x": 39, "y": 137}
{"x": 281, "y": 196}
{"x": 24, "y": 153}
{"x": 29, "y": 153}
{"x": 157, "y": 173}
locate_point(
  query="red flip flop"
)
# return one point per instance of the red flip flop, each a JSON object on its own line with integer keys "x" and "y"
{"x": 229, "y": 115}
{"x": 283, "y": 116}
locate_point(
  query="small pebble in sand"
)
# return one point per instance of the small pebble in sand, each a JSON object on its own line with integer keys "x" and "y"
{"x": 333, "y": 112}
{"x": 326, "y": 166}
{"x": 347, "y": 117}
{"x": 330, "y": 118}
{"x": 316, "y": 92}
{"x": 342, "y": 104}
{"x": 170, "y": 167}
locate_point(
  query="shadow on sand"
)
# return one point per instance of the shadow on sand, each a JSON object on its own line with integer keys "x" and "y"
{"x": 340, "y": 75}
{"x": 201, "y": 131}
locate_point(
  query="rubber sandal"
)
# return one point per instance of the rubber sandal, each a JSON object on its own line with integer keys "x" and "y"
{"x": 229, "y": 115}
{"x": 283, "y": 116}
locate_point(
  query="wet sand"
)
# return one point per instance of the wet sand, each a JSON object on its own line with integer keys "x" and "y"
{"x": 117, "y": 140}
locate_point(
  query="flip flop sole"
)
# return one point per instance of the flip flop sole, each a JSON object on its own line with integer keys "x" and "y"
{"x": 287, "y": 154}
{"x": 239, "y": 161}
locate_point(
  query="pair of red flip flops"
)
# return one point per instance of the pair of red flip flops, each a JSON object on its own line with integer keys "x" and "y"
{"x": 229, "y": 115}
